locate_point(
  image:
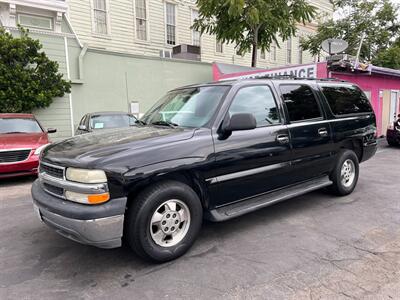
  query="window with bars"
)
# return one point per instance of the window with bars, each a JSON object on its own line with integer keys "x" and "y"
{"x": 219, "y": 48}
{"x": 273, "y": 52}
{"x": 100, "y": 16}
{"x": 289, "y": 51}
{"x": 195, "y": 33}
{"x": 141, "y": 19}
{"x": 170, "y": 23}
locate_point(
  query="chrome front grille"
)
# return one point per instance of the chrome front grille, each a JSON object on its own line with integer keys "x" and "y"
{"x": 12, "y": 156}
{"x": 52, "y": 170}
{"x": 53, "y": 181}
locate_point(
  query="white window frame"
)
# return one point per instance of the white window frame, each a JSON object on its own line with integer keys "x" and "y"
{"x": 272, "y": 53}
{"x": 94, "y": 33}
{"x": 222, "y": 47}
{"x": 147, "y": 23}
{"x": 289, "y": 52}
{"x": 193, "y": 31}
{"x": 300, "y": 57}
{"x": 176, "y": 23}
{"x": 36, "y": 16}
{"x": 263, "y": 53}
{"x": 300, "y": 53}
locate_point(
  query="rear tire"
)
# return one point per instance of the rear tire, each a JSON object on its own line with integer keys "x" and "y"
{"x": 164, "y": 221}
{"x": 392, "y": 143}
{"x": 345, "y": 174}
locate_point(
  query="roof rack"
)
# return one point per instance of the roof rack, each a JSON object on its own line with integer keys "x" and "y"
{"x": 283, "y": 76}
{"x": 289, "y": 76}
{"x": 332, "y": 79}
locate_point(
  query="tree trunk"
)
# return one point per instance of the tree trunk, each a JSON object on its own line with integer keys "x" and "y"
{"x": 254, "y": 55}
{"x": 255, "y": 46}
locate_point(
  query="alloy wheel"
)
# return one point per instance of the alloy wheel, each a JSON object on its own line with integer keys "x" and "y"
{"x": 170, "y": 223}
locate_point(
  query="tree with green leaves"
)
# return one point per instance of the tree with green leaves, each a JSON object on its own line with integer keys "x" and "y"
{"x": 252, "y": 24}
{"x": 389, "y": 58}
{"x": 28, "y": 78}
{"x": 377, "y": 19}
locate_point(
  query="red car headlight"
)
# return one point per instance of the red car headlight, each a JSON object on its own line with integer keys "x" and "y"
{"x": 40, "y": 149}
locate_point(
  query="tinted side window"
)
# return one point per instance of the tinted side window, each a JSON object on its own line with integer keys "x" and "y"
{"x": 346, "y": 100}
{"x": 259, "y": 101}
{"x": 300, "y": 102}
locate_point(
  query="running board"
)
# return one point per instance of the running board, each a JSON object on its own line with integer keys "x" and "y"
{"x": 246, "y": 206}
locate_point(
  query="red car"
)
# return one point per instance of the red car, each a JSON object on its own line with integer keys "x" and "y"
{"x": 22, "y": 139}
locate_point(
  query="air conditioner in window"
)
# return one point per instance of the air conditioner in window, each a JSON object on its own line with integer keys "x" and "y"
{"x": 165, "y": 53}
{"x": 188, "y": 52}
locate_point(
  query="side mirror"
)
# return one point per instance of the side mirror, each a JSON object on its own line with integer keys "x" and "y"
{"x": 82, "y": 127}
{"x": 242, "y": 121}
{"x": 51, "y": 130}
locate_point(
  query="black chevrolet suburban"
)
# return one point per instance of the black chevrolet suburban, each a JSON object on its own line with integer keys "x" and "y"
{"x": 214, "y": 151}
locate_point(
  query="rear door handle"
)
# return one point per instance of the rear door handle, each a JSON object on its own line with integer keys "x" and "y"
{"x": 282, "y": 138}
{"x": 323, "y": 132}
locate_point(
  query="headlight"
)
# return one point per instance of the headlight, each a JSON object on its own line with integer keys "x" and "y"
{"x": 86, "y": 176}
{"x": 40, "y": 149}
{"x": 87, "y": 198}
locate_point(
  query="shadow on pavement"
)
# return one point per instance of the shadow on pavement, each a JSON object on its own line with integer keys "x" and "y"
{"x": 15, "y": 181}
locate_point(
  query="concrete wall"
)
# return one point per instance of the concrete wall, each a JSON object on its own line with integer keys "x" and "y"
{"x": 112, "y": 80}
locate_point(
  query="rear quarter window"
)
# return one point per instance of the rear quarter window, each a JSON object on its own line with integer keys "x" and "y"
{"x": 344, "y": 100}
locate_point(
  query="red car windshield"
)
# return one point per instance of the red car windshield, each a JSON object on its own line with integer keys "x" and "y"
{"x": 19, "y": 125}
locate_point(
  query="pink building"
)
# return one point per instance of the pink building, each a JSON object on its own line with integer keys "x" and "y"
{"x": 381, "y": 85}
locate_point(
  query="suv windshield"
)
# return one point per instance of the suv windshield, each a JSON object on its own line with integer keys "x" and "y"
{"x": 190, "y": 107}
{"x": 111, "y": 121}
{"x": 18, "y": 125}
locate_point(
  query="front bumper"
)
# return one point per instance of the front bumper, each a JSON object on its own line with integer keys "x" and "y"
{"x": 369, "y": 150}
{"x": 22, "y": 168}
{"x": 96, "y": 225}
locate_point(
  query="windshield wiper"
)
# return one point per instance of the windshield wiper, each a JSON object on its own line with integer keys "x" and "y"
{"x": 139, "y": 122}
{"x": 165, "y": 123}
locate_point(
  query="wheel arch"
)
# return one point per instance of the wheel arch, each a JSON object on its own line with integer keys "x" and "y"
{"x": 354, "y": 145}
{"x": 189, "y": 177}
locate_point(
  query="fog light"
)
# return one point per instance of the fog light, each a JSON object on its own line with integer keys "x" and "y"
{"x": 87, "y": 198}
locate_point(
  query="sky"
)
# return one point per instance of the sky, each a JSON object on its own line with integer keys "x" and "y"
{"x": 337, "y": 14}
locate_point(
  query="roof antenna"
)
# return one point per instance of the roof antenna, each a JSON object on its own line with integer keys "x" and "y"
{"x": 359, "y": 50}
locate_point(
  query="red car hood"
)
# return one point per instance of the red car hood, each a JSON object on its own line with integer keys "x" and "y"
{"x": 22, "y": 140}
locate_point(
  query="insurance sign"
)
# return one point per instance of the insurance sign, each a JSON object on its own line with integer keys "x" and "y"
{"x": 304, "y": 71}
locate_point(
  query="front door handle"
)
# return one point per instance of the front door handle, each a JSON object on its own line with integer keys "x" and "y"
{"x": 282, "y": 138}
{"x": 323, "y": 132}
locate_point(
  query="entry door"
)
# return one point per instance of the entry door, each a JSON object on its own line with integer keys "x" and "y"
{"x": 251, "y": 162}
{"x": 386, "y": 99}
{"x": 393, "y": 106}
{"x": 310, "y": 132}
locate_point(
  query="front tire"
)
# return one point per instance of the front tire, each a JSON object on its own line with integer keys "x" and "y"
{"x": 345, "y": 174}
{"x": 164, "y": 221}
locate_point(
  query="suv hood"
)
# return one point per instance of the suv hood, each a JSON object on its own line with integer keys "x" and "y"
{"x": 22, "y": 140}
{"x": 86, "y": 150}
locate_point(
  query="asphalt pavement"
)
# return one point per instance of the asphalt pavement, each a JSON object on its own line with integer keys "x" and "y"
{"x": 316, "y": 246}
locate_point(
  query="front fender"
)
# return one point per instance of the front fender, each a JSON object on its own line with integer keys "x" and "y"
{"x": 164, "y": 167}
